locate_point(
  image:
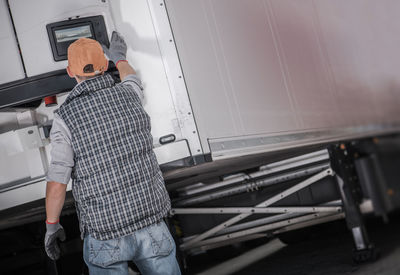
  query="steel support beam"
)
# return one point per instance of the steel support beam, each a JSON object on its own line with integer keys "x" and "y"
{"x": 254, "y": 210}
{"x": 252, "y": 185}
{"x": 268, "y": 202}
{"x": 255, "y": 230}
{"x": 264, "y": 171}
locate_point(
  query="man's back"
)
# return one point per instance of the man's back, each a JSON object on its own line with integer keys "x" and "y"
{"x": 117, "y": 182}
{"x": 101, "y": 136}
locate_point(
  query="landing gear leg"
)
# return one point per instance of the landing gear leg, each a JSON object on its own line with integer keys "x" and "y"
{"x": 342, "y": 160}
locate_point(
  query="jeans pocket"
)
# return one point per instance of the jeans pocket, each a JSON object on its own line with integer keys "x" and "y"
{"x": 104, "y": 253}
{"x": 161, "y": 240}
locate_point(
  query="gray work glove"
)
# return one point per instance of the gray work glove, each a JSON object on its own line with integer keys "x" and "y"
{"x": 53, "y": 233}
{"x": 117, "y": 50}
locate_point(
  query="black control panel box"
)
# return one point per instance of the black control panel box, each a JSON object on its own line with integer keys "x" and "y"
{"x": 64, "y": 33}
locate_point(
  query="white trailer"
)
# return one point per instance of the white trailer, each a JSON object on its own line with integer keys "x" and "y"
{"x": 239, "y": 91}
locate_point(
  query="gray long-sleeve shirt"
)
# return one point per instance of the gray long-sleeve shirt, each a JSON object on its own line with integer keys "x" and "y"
{"x": 62, "y": 155}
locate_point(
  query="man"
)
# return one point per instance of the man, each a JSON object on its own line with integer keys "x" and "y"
{"x": 101, "y": 136}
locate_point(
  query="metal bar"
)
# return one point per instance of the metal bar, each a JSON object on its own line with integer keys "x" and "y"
{"x": 254, "y": 210}
{"x": 233, "y": 241}
{"x": 190, "y": 190}
{"x": 255, "y": 230}
{"x": 262, "y": 221}
{"x": 279, "y": 231}
{"x": 37, "y": 87}
{"x": 264, "y": 171}
{"x": 296, "y": 188}
{"x": 284, "y": 194}
{"x": 250, "y": 224}
{"x": 310, "y": 223}
{"x": 258, "y": 222}
{"x": 292, "y": 163}
{"x": 252, "y": 185}
{"x": 269, "y": 219}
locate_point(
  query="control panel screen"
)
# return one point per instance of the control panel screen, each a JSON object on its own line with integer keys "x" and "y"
{"x": 73, "y": 33}
{"x": 64, "y": 33}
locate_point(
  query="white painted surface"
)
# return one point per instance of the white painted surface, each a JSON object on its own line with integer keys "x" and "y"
{"x": 134, "y": 21}
{"x": 172, "y": 151}
{"x": 21, "y": 156}
{"x": 20, "y": 167}
{"x": 231, "y": 67}
{"x": 265, "y": 68}
{"x": 8, "y": 48}
{"x": 173, "y": 70}
{"x": 31, "y": 18}
{"x": 253, "y": 68}
{"x": 23, "y": 195}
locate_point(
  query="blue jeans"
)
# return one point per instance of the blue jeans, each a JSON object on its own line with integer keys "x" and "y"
{"x": 152, "y": 249}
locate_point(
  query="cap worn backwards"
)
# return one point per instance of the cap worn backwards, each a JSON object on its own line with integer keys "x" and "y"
{"x": 86, "y": 57}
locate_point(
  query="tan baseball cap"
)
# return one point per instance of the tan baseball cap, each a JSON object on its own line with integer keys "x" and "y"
{"x": 86, "y": 57}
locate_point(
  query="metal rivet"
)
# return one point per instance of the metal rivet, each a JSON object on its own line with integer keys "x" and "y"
{"x": 30, "y": 132}
{"x": 161, "y": 4}
{"x": 194, "y": 132}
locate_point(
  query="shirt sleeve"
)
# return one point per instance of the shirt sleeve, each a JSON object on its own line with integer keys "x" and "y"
{"x": 135, "y": 82}
{"x": 62, "y": 155}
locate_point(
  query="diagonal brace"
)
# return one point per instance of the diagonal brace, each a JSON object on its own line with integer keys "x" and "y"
{"x": 274, "y": 199}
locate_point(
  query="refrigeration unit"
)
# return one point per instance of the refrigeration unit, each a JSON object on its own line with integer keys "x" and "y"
{"x": 255, "y": 107}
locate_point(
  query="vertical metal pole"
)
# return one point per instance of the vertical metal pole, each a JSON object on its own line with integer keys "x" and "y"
{"x": 342, "y": 162}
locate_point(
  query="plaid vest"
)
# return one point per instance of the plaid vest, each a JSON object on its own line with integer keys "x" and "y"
{"x": 117, "y": 183}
